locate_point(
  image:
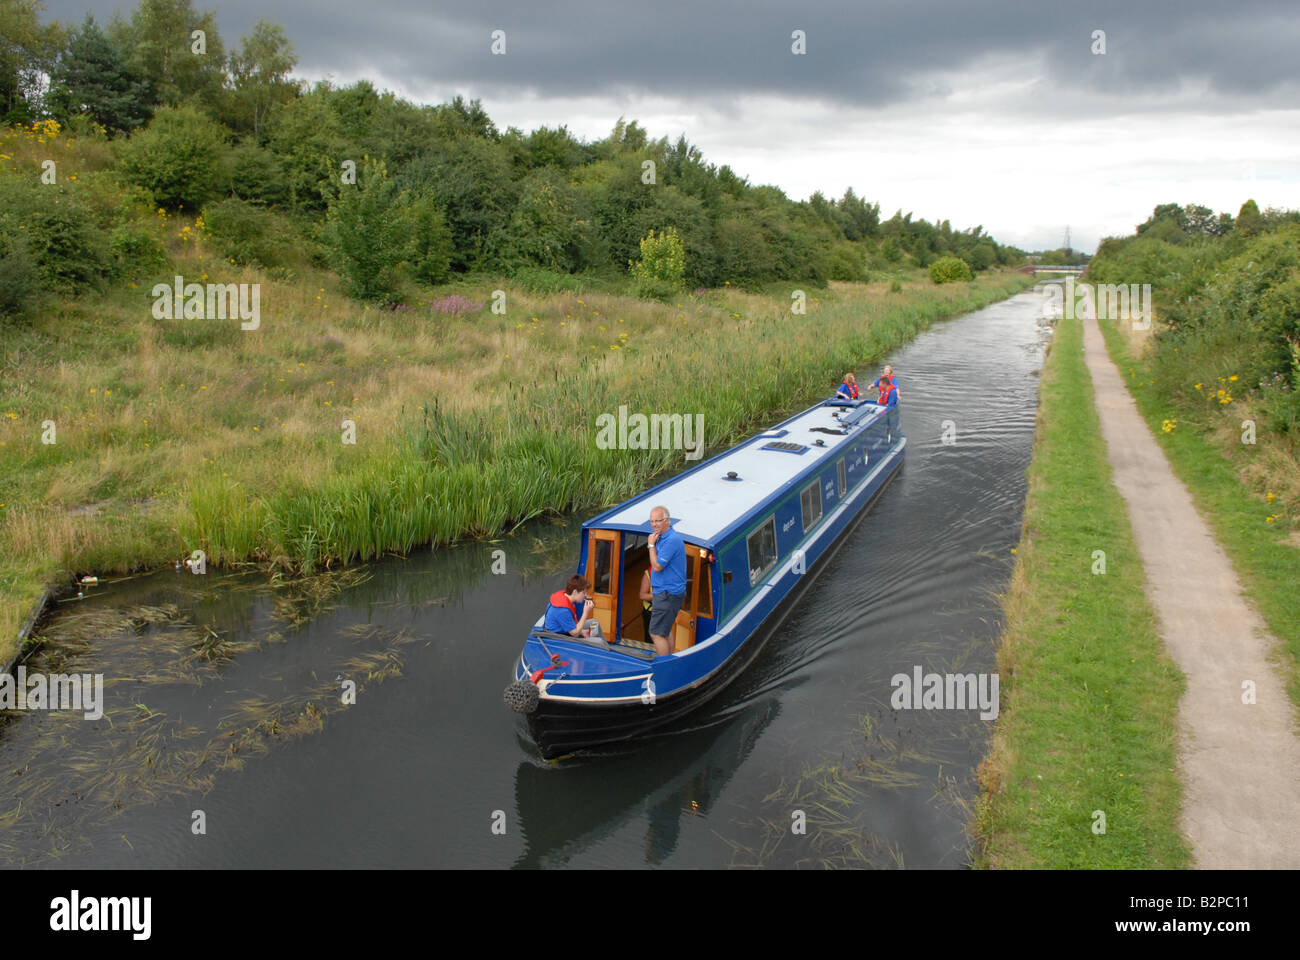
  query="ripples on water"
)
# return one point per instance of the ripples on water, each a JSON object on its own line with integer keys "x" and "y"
{"x": 416, "y": 771}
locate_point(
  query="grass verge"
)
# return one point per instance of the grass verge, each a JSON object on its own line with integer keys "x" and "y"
{"x": 1204, "y": 447}
{"x": 1089, "y": 695}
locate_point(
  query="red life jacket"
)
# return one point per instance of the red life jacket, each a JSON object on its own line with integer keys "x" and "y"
{"x": 560, "y": 599}
{"x": 853, "y": 389}
{"x": 886, "y": 387}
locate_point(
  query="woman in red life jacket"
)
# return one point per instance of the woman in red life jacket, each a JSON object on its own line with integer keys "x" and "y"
{"x": 887, "y": 385}
{"x": 848, "y": 387}
{"x": 562, "y": 612}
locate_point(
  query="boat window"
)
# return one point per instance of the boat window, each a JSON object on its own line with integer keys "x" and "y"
{"x": 839, "y": 473}
{"x": 762, "y": 551}
{"x": 600, "y": 582}
{"x": 811, "y": 502}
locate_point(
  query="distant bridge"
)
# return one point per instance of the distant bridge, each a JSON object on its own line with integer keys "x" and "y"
{"x": 1042, "y": 268}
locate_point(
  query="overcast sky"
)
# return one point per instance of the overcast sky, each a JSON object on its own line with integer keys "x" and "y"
{"x": 991, "y": 113}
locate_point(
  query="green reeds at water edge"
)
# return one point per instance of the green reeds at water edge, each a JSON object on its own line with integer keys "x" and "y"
{"x": 452, "y": 472}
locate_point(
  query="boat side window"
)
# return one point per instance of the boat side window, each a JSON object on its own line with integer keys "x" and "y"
{"x": 600, "y": 582}
{"x": 839, "y": 475}
{"x": 762, "y": 551}
{"x": 810, "y": 500}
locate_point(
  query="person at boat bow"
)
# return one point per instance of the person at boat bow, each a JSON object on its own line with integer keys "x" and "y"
{"x": 848, "y": 388}
{"x": 667, "y": 579}
{"x": 562, "y": 612}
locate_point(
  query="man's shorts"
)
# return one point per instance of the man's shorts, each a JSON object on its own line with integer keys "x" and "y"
{"x": 664, "y": 612}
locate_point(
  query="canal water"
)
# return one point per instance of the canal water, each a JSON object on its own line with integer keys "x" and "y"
{"x": 227, "y": 739}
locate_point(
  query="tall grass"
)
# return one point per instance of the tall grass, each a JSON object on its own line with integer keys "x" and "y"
{"x": 465, "y": 426}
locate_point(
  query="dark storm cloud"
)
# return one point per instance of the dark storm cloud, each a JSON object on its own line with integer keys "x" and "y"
{"x": 860, "y": 54}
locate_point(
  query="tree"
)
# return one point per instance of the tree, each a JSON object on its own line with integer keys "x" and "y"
{"x": 550, "y": 227}
{"x": 259, "y": 70}
{"x": 91, "y": 78}
{"x": 368, "y": 233}
{"x": 1249, "y": 220}
{"x": 177, "y": 158}
{"x": 662, "y": 265}
{"x": 27, "y": 53}
{"x": 949, "y": 270}
{"x": 164, "y": 51}
{"x": 430, "y": 240}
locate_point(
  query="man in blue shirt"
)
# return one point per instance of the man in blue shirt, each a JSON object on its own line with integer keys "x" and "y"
{"x": 667, "y": 579}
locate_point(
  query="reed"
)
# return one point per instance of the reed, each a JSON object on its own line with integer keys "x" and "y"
{"x": 466, "y": 426}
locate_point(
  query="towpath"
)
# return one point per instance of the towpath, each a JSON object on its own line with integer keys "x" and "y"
{"x": 1239, "y": 763}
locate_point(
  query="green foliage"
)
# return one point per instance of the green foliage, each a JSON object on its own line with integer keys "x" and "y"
{"x": 256, "y": 175}
{"x": 949, "y": 270}
{"x": 136, "y": 251}
{"x": 470, "y": 178}
{"x": 662, "y": 266}
{"x": 60, "y": 231}
{"x": 1249, "y": 220}
{"x": 550, "y": 227}
{"x": 259, "y": 73}
{"x": 367, "y": 234}
{"x": 246, "y": 233}
{"x": 92, "y": 78}
{"x": 177, "y": 158}
{"x": 27, "y": 53}
{"x": 536, "y": 280}
{"x": 162, "y": 50}
{"x": 431, "y": 244}
{"x": 19, "y": 280}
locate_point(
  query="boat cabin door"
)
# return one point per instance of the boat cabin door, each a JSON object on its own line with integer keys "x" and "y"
{"x": 699, "y": 599}
{"x": 603, "y": 561}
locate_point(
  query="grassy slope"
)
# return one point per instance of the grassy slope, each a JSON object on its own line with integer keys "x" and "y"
{"x": 1206, "y": 453}
{"x": 188, "y": 434}
{"x": 1089, "y": 694}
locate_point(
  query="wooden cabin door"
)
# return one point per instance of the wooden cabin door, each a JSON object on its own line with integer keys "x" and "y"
{"x": 698, "y": 599}
{"x": 604, "y": 555}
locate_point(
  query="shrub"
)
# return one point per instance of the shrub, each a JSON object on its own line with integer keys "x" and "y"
{"x": 177, "y": 158}
{"x": 245, "y": 233}
{"x": 256, "y": 175}
{"x": 652, "y": 289}
{"x": 135, "y": 251}
{"x": 19, "y": 281}
{"x": 950, "y": 270}
{"x": 367, "y": 234}
{"x": 662, "y": 265}
{"x": 537, "y": 280}
{"x": 430, "y": 240}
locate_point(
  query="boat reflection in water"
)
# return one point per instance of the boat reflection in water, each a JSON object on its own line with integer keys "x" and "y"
{"x": 564, "y": 810}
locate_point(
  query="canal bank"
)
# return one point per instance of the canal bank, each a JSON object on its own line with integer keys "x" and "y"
{"x": 1080, "y": 773}
{"x": 258, "y": 473}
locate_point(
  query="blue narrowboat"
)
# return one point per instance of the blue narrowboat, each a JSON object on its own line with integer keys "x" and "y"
{"x": 758, "y": 522}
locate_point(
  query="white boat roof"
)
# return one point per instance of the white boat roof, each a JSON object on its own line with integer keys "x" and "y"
{"x": 702, "y": 504}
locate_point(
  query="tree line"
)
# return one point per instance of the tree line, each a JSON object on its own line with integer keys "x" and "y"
{"x": 441, "y": 188}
